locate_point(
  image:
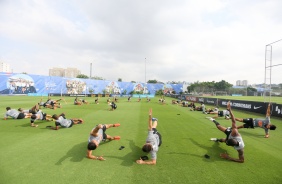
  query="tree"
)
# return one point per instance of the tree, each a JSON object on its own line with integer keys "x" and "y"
{"x": 250, "y": 89}
{"x": 222, "y": 85}
{"x": 174, "y": 82}
{"x": 159, "y": 92}
{"x": 83, "y": 76}
{"x": 131, "y": 92}
{"x": 98, "y": 78}
{"x": 124, "y": 92}
{"x": 208, "y": 87}
{"x": 192, "y": 87}
{"x": 152, "y": 81}
{"x": 91, "y": 91}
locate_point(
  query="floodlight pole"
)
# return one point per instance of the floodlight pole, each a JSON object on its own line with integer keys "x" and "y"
{"x": 145, "y": 70}
{"x": 268, "y": 67}
{"x": 90, "y": 70}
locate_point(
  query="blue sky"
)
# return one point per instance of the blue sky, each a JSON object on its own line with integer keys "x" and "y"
{"x": 205, "y": 40}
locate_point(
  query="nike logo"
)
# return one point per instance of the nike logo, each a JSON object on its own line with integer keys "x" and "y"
{"x": 257, "y": 107}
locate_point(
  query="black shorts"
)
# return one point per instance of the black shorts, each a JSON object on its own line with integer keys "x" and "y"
{"x": 21, "y": 116}
{"x": 104, "y": 132}
{"x": 58, "y": 124}
{"x": 248, "y": 123}
{"x": 220, "y": 113}
{"x": 155, "y": 131}
{"x": 44, "y": 116}
{"x": 32, "y": 111}
{"x": 71, "y": 124}
{"x": 228, "y": 132}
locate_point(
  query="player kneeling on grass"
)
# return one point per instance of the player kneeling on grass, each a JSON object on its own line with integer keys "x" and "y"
{"x": 153, "y": 142}
{"x": 61, "y": 121}
{"x": 98, "y": 134}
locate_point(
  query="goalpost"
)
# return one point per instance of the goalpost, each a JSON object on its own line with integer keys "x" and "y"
{"x": 268, "y": 70}
{"x": 221, "y": 93}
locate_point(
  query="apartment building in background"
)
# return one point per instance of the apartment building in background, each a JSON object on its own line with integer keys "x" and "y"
{"x": 241, "y": 83}
{"x": 62, "y": 72}
{"x": 5, "y": 67}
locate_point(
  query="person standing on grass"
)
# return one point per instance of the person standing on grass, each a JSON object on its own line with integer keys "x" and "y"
{"x": 61, "y": 121}
{"x": 153, "y": 141}
{"x": 233, "y": 138}
{"x": 13, "y": 113}
{"x": 39, "y": 116}
{"x": 258, "y": 122}
{"x": 98, "y": 134}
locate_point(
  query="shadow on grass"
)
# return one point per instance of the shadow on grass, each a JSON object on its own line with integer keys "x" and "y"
{"x": 76, "y": 153}
{"x": 213, "y": 152}
{"x": 40, "y": 124}
{"x": 247, "y": 133}
{"x": 131, "y": 157}
{"x": 23, "y": 125}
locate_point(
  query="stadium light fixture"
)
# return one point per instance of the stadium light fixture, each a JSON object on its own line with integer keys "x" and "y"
{"x": 145, "y": 70}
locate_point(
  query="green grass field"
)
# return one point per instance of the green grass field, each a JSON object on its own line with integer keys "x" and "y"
{"x": 40, "y": 155}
